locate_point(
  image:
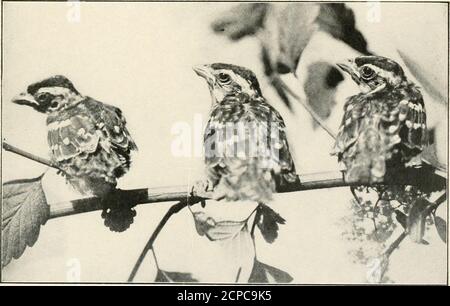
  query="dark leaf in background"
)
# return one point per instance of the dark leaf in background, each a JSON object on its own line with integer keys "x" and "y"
{"x": 263, "y": 273}
{"x": 267, "y": 221}
{"x": 320, "y": 88}
{"x": 24, "y": 210}
{"x": 418, "y": 212}
{"x": 274, "y": 79}
{"x": 221, "y": 230}
{"x": 242, "y": 20}
{"x": 288, "y": 29}
{"x": 338, "y": 20}
{"x": 174, "y": 277}
{"x": 441, "y": 227}
{"x": 401, "y": 218}
{"x": 284, "y": 30}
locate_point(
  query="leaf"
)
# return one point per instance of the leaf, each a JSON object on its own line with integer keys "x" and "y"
{"x": 320, "y": 88}
{"x": 222, "y": 230}
{"x": 267, "y": 220}
{"x": 339, "y": 21}
{"x": 418, "y": 212}
{"x": 174, "y": 277}
{"x": 441, "y": 228}
{"x": 241, "y": 20}
{"x": 24, "y": 210}
{"x": 401, "y": 218}
{"x": 274, "y": 78}
{"x": 263, "y": 273}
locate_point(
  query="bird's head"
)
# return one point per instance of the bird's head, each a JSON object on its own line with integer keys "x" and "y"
{"x": 374, "y": 73}
{"x": 226, "y": 80}
{"x": 50, "y": 95}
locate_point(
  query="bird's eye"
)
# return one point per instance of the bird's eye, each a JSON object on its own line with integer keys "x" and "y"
{"x": 367, "y": 72}
{"x": 43, "y": 96}
{"x": 224, "y": 78}
{"x": 54, "y": 104}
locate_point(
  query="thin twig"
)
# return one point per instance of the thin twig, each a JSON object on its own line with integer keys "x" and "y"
{"x": 13, "y": 149}
{"x": 313, "y": 114}
{"x": 172, "y": 210}
{"x": 395, "y": 244}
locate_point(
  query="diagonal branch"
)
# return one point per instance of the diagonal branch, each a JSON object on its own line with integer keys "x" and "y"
{"x": 13, "y": 149}
{"x": 313, "y": 114}
{"x": 172, "y": 210}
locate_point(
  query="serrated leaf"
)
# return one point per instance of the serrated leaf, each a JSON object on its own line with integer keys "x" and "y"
{"x": 441, "y": 228}
{"x": 416, "y": 219}
{"x": 263, "y": 273}
{"x": 24, "y": 210}
{"x": 213, "y": 230}
{"x": 267, "y": 221}
{"x": 174, "y": 277}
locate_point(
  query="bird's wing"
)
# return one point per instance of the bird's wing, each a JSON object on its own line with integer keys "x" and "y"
{"x": 412, "y": 119}
{"x": 112, "y": 124}
{"x": 281, "y": 158}
{"x": 71, "y": 134}
{"x": 355, "y": 108}
{"x": 79, "y": 131}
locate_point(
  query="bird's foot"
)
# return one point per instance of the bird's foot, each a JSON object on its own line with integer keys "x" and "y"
{"x": 202, "y": 189}
{"x": 117, "y": 212}
{"x": 205, "y": 189}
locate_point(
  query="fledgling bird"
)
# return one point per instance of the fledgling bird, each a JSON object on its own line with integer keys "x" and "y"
{"x": 384, "y": 126}
{"x": 247, "y": 155}
{"x": 88, "y": 139}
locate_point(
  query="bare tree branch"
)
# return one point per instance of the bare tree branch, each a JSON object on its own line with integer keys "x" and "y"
{"x": 424, "y": 176}
{"x": 13, "y": 149}
{"x": 172, "y": 210}
{"x": 332, "y": 179}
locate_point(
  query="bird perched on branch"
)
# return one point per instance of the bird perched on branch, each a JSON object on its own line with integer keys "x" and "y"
{"x": 384, "y": 126}
{"x": 88, "y": 139}
{"x": 246, "y": 150}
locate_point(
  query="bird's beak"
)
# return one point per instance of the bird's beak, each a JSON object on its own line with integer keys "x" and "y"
{"x": 350, "y": 68}
{"x": 25, "y": 99}
{"x": 205, "y": 72}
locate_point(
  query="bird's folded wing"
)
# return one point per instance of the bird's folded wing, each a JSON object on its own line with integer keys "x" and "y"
{"x": 72, "y": 136}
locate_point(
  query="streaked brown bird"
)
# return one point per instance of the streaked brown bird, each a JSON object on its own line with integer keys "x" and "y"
{"x": 384, "y": 126}
{"x": 88, "y": 139}
{"x": 247, "y": 155}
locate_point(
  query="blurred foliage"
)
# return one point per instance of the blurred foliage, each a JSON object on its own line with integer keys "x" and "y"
{"x": 320, "y": 88}
{"x": 376, "y": 212}
{"x": 284, "y": 31}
